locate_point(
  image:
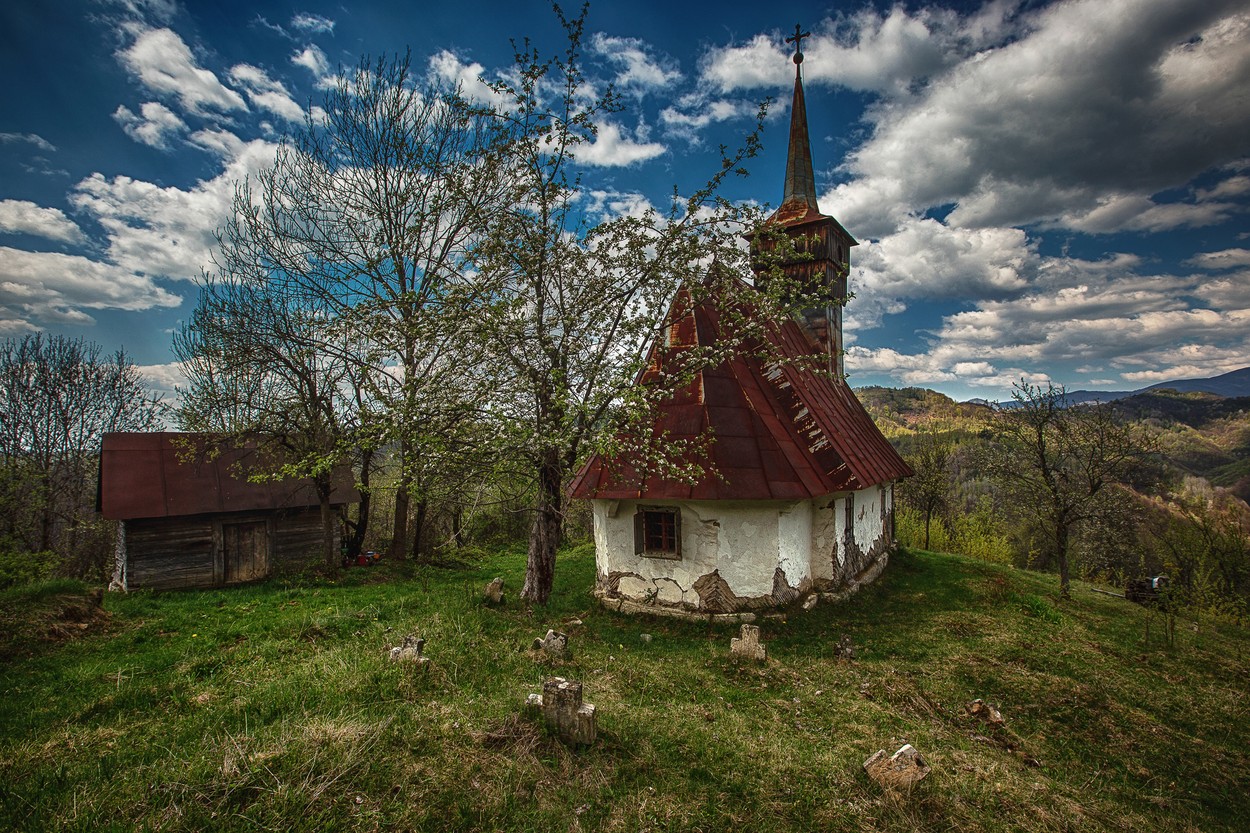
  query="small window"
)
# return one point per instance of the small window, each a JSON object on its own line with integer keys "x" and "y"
{"x": 657, "y": 531}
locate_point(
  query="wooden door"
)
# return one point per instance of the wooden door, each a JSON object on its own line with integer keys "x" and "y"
{"x": 246, "y": 551}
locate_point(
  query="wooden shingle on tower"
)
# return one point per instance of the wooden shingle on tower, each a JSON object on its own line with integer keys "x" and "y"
{"x": 799, "y": 490}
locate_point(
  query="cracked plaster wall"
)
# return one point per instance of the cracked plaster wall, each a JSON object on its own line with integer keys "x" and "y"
{"x": 743, "y": 542}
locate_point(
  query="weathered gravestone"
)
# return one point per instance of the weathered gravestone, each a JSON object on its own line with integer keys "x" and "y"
{"x": 493, "y": 594}
{"x": 410, "y": 651}
{"x": 899, "y": 771}
{"x": 564, "y": 712}
{"x": 555, "y": 644}
{"x": 747, "y": 645}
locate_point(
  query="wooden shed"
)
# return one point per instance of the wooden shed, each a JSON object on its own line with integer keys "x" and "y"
{"x": 190, "y": 517}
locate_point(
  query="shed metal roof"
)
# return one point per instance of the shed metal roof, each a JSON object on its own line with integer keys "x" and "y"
{"x": 158, "y": 475}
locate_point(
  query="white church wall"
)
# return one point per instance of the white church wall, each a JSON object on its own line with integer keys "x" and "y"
{"x": 868, "y": 518}
{"x": 827, "y": 543}
{"x": 744, "y": 542}
{"x": 794, "y": 534}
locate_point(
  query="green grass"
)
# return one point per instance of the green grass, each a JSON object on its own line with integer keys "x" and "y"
{"x": 274, "y": 707}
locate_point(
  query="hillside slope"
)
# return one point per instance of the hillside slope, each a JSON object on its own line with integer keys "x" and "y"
{"x": 274, "y": 707}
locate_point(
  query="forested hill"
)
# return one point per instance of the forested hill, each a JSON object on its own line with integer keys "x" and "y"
{"x": 900, "y": 412}
{"x": 1200, "y": 434}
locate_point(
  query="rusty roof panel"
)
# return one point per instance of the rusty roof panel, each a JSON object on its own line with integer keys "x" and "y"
{"x": 781, "y": 431}
{"x": 161, "y": 475}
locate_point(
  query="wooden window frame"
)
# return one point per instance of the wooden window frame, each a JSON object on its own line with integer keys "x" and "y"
{"x": 657, "y": 532}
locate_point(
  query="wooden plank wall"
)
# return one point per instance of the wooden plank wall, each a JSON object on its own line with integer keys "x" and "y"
{"x": 165, "y": 553}
{"x": 297, "y": 540}
{"x": 169, "y": 553}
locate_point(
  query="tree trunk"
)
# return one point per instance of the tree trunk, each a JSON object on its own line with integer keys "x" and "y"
{"x": 457, "y": 526}
{"x": 927, "y": 518}
{"x": 328, "y": 520}
{"x": 545, "y": 534}
{"x": 356, "y": 542}
{"x": 399, "y": 532}
{"x": 1061, "y": 555}
{"x": 418, "y": 525}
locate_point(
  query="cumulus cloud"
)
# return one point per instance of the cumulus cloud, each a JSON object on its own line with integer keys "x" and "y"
{"x": 638, "y": 70}
{"x": 312, "y": 59}
{"x": 1056, "y": 125}
{"x": 166, "y": 231}
{"x": 164, "y": 379}
{"x": 610, "y": 204}
{"x": 612, "y": 148}
{"x": 692, "y": 112}
{"x": 164, "y": 64}
{"x": 926, "y": 259}
{"x": 446, "y": 69}
{"x": 23, "y": 217}
{"x": 871, "y": 51}
{"x": 153, "y": 125}
{"x": 51, "y": 288}
{"x": 265, "y": 93}
{"x": 1080, "y": 314}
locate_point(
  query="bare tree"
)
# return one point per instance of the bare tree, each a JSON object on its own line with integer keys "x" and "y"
{"x": 1059, "y": 462}
{"x": 58, "y": 397}
{"x": 367, "y": 216}
{"x": 259, "y": 368}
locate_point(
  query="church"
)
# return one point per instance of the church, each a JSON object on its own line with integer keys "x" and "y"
{"x": 796, "y": 503}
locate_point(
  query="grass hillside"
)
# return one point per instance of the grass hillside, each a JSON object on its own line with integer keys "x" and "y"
{"x": 274, "y": 707}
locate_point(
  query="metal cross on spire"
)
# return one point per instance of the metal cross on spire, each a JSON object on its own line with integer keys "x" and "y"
{"x": 797, "y": 40}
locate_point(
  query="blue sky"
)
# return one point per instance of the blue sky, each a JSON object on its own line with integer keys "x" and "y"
{"x": 1050, "y": 191}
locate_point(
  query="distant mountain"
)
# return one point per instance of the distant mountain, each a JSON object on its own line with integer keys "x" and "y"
{"x": 1232, "y": 384}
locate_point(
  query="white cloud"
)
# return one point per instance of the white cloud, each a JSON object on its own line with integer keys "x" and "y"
{"x": 312, "y": 59}
{"x": 1058, "y": 125}
{"x": 1226, "y": 259}
{"x": 693, "y": 112}
{"x": 611, "y": 148}
{"x": 926, "y": 259}
{"x": 222, "y": 143}
{"x": 1235, "y": 186}
{"x": 168, "y": 231}
{"x": 153, "y": 125}
{"x": 52, "y": 288}
{"x": 266, "y": 93}
{"x": 1230, "y": 291}
{"x": 161, "y": 11}
{"x": 888, "y": 53}
{"x": 163, "y": 62}
{"x": 610, "y": 204}
{"x": 1129, "y": 212}
{"x": 448, "y": 70}
{"x": 28, "y": 138}
{"x": 165, "y": 379}
{"x": 313, "y": 24}
{"x": 639, "y": 71}
{"x": 23, "y": 217}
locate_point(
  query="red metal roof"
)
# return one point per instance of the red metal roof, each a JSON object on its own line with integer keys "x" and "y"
{"x": 783, "y": 431}
{"x": 161, "y": 475}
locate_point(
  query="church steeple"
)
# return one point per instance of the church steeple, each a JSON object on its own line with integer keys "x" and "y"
{"x": 800, "y": 177}
{"x": 824, "y": 246}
